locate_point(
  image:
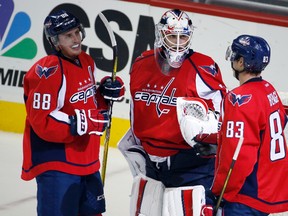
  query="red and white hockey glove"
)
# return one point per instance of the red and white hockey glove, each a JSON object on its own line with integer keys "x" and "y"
{"x": 191, "y": 127}
{"x": 207, "y": 210}
{"x": 112, "y": 90}
{"x": 206, "y": 144}
{"x": 206, "y": 139}
{"x": 90, "y": 121}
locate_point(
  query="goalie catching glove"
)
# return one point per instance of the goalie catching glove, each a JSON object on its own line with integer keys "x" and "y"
{"x": 90, "y": 121}
{"x": 195, "y": 118}
{"x": 197, "y": 124}
{"x": 112, "y": 90}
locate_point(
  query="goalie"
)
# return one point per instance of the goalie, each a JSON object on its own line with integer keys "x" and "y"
{"x": 171, "y": 171}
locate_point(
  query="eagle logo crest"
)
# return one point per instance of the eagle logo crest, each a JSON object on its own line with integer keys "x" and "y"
{"x": 239, "y": 99}
{"x": 209, "y": 69}
{"x": 44, "y": 71}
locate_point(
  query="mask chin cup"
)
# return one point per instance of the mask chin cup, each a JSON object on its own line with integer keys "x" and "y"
{"x": 161, "y": 62}
{"x": 175, "y": 59}
{"x": 165, "y": 64}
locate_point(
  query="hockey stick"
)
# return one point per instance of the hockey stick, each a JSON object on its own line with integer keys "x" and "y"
{"x": 115, "y": 64}
{"x": 235, "y": 156}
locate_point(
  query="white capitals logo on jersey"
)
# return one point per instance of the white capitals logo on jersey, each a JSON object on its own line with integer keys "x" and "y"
{"x": 158, "y": 97}
{"x": 83, "y": 95}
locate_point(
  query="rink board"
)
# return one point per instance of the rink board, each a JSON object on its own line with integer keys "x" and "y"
{"x": 13, "y": 115}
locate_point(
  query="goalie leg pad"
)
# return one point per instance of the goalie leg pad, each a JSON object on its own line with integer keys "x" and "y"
{"x": 146, "y": 197}
{"x": 183, "y": 201}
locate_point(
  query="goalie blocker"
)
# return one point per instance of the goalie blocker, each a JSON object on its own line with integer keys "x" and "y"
{"x": 133, "y": 152}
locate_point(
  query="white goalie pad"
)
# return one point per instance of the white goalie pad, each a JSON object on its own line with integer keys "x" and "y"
{"x": 133, "y": 152}
{"x": 184, "y": 201}
{"x": 195, "y": 118}
{"x": 146, "y": 197}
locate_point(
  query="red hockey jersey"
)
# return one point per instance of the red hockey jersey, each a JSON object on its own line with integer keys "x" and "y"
{"x": 254, "y": 111}
{"x": 53, "y": 88}
{"x": 153, "y": 106}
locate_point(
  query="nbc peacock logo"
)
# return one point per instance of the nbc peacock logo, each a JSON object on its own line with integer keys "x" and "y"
{"x": 13, "y": 28}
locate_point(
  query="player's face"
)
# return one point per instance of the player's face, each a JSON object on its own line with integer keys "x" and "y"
{"x": 238, "y": 64}
{"x": 70, "y": 43}
{"x": 177, "y": 42}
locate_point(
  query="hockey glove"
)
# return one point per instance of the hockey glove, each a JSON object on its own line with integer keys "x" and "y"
{"x": 206, "y": 145}
{"x": 90, "y": 121}
{"x": 211, "y": 199}
{"x": 205, "y": 151}
{"x": 207, "y": 210}
{"x": 191, "y": 126}
{"x": 112, "y": 90}
{"x": 207, "y": 139}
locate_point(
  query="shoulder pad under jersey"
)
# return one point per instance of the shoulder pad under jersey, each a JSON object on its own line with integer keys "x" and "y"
{"x": 47, "y": 66}
{"x": 145, "y": 54}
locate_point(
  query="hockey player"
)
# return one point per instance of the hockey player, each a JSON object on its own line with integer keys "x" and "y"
{"x": 253, "y": 111}
{"x": 66, "y": 115}
{"x": 167, "y": 160}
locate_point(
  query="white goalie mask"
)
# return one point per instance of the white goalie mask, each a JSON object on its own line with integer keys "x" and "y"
{"x": 173, "y": 36}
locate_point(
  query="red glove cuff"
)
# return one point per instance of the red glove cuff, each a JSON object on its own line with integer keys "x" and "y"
{"x": 211, "y": 139}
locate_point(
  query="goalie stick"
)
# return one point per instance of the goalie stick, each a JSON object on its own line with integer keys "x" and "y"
{"x": 235, "y": 156}
{"x": 115, "y": 64}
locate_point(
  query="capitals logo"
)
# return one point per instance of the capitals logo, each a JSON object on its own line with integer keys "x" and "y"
{"x": 245, "y": 41}
{"x": 239, "y": 99}
{"x": 13, "y": 27}
{"x": 211, "y": 69}
{"x": 44, "y": 71}
{"x": 158, "y": 97}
